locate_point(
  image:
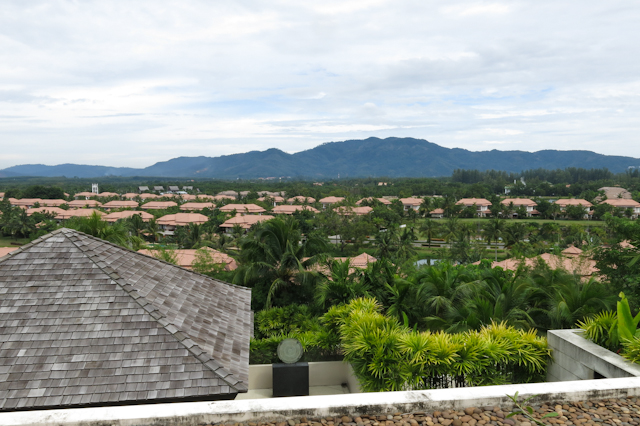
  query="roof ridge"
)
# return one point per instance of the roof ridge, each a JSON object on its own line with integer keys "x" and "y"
{"x": 181, "y": 336}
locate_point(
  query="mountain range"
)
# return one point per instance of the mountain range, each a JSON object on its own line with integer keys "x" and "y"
{"x": 391, "y": 157}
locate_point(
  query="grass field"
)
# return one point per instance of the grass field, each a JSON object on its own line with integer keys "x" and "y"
{"x": 6, "y": 241}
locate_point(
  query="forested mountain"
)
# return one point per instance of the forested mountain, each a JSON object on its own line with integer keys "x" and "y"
{"x": 392, "y": 157}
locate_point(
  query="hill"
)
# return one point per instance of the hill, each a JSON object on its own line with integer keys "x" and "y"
{"x": 393, "y": 157}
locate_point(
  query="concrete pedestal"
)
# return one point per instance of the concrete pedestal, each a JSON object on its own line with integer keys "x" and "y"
{"x": 291, "y": 379}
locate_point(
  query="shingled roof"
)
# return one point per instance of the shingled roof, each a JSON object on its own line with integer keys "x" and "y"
{"x": 84, "y": 322}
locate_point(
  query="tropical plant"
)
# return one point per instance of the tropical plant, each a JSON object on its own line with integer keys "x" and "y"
{"x": 117, "y": 233}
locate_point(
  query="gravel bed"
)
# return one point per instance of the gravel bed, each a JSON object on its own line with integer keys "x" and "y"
{"x": 615, "y": 412}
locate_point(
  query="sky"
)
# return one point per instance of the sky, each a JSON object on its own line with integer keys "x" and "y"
{"x": 130, "y": 83}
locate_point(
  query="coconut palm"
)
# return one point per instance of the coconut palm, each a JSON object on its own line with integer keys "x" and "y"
{"x": 429, "y": 228}
{"x": 276, "y": 261}
{"x": 341, "y": 286}
{"x": 117, "y": 233}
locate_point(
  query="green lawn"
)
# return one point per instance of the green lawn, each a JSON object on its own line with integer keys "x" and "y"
{"x": 559, "y": 222}
{"x": 6, "y": 241}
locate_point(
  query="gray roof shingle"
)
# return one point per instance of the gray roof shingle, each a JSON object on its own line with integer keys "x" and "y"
{"x": 86, "y": 322}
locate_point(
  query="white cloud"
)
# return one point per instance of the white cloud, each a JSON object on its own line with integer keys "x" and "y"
{"x": 128, "y": 84}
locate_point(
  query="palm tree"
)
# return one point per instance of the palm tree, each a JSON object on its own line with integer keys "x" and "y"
{"x": 341, "y": 286}
{"x": 117, "y": 233}
{"x": 277, "y": 260}
{"x": 440, "y": 288}
{"x": 493, "y": 231}
{"x": 429, "y": 228}
{"x": 451, "y": 228}
{"x": 573, "y": 301}
{"x": 152, "y": 229}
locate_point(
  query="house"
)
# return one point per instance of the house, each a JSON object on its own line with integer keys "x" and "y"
{"x": 197, "y": 206}
{"x": 370, "y": 199}
{"x": 327, "y": 201}
{"x": 115, "y": 216}
{"x": 25, "y": 203}
{"x": 358, "y": 262}
{"x": 275, "y": 199}
{"x": 353, "y": 211}
{"x": 565, "y": 202}
{"x": 53, "y": 203}
{"x": 158, "y": 188}
{"x": 411, "y": 203}
{"x": 159, "y": 205}
{"x": 129, "y": 195}
{"x": 287, "y": 209}
{"x": 148, "y": 196}
{"x": 80, "y": 204}
{"x": 188, "y": 197}
{"x": 45, "y": 210}
{"x": 232, "y": 194}
{"x": 615, "y": 192}
{"x": 481, "y": 204}
{"x": 185, "y": 258}
{"x": 301, "y": 199}
{"x": 437, "y": 213}
{"x": 243, "y": 208}
{"x": 84, "y": 195}
{"x": 117, "y": 204}
{"x": 107, "y": 194}
{"x": 68, "y": 214}
{"x": 143, "y": 188}
{"x": 173, "y": 188}
{"x": 217, "y": 197}
{"x": 245, "y": 222}
{"x": 528, "y": 204}
{"x": 108, "y": 326}
{"x": 623, "y": 203}
{"x": 187, "y": 188}
{"x": 170, "y": 222}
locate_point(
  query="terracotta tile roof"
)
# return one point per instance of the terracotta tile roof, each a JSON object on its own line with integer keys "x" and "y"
{"x": 51, "y": 210}
{"x": 411, "y": 201}
{"x": 358, "y": 262}
{"x": 288, "y": 209}
{"x": 130, "y": 195}
{"x": 622, "y": 203}
{"x": 158, "y": 205}
{"x": 382, "y": 200}
{"x": 564, "y": 202}
{"x": 185, "y": 258}
{"x": 275, "y": 198}
{"x": 356, "y": 211}
{"x": 246, "y": 221}
{"x": 53, "y": 203}
{"x": 188, "y": 197}
{"x": 148, "y": 196}
{"x": 437, "y": 211}
{"x": 519, "y": 202}
{"x": 85, "y": 194}
{"x": 111, "y": 326}
{"x": 242, "y": 208}
{"x": 480, "y": 202}
{"x": 217, "y": 197}
{"x": 22, "y": 202}
{"x": 117, "y": 204}
{"x": 115, "y": 216}
{"x": 84, "y": 203}
{"x": 615, "y": 192}
{"x": 572, "y": 251}
{"x": 108, "y": 194}
{"x": 331, "y": 200}
{"x": 197, "y": 206}
{"x": 580, "y": 265}
{"x": 182, "y": 219}
{"x": 68, "y": 214}
{"x": 1, "y": 195}
{"x": 6, "y": 250}
{"x": 229, "y": 193}
{"x": 301, "y": 199}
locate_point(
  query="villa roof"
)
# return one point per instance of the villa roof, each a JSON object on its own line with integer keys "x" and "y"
{"x": 87, "y": 323}
{"x": 158, "y": 205}
{"x": 50, "y": 210}
{"x": 84, "y": 203}
{"x": 564, "y": 202}
{"x": 246, "y": 221}
{"x": 68, "y": 214}
{"x": 130, "y": 195}
{"x": 621, "y": 203}
{"x": 572, "y": 251}
{"x": 275, "y": 198}
{"x": 85, "y": 194}
{"x": 108, "y": 194}
{"x": 353, "y": 211}
{"x": 148, "y": 196}
{"x": 6, "y": 250}
{"x": 382, "y": 200}
{"x": 483, "y": 202}
{"x": 24, "y": 201}
{"x": 411, "y": 201}
{"x": 219, "y": 197}
{"x": 53, "y": 203}
{"x": 242, "y": 208}
{"x": 185, "y": 257}
{"x": 115, "y": 216}
{"x": 526, "y": 202}
{"x": 182, "y": 219}
{"x": 117, "y": 204}
{"x": 331, "y": 199}
{"x": 197, "y": 206}
{"x": 188, "y": 197}
{"x": 615, "y": 192}
{"x": 290, "y": 209}
{"x": 580, "y": 265}
{"x": 301, "y": 199}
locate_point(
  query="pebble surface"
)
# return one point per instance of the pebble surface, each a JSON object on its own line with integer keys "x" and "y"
{"x": 615, "y": 412}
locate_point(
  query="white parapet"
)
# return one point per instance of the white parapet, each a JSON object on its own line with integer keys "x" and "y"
{"x": 278, "y": 409}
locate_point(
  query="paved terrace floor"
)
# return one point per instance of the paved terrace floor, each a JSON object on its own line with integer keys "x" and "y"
{"x": 614, "y": 412}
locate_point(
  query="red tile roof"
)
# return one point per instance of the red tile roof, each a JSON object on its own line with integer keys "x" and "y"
{"x": 84, "y": 203}
{"x": 382, "y": 200}
{"x": 242, "y": 208}
{"x": 301, "y": 199}
{"x": 331, "y": 200}
{"x": 68, "y": 214}
{"x": 158, "y": 205}
{"x": 112, "y": 217}
{"x": 411, "y": 201}
{"x": 621, "y": 203}
{"x": 245, "y": 221}
{"x": 564, "y": 202}
{"x": 182, "y": 219}
{"x": 287, "y": 209}
{"x": 117, "y": 204}
{"x": 197, "y": 206}
{"x": 519, "y": 202}
{"x": 185, "y": 258}
{"x": 480, "y": 202}
{"x": 355, "y": 211}
{"x": 50, "y": 210}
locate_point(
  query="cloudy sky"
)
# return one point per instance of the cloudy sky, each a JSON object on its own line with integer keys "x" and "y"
{"x": 129, "y": 83}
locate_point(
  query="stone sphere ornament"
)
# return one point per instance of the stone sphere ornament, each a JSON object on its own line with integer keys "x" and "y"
{"x": 290, "y": 351}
